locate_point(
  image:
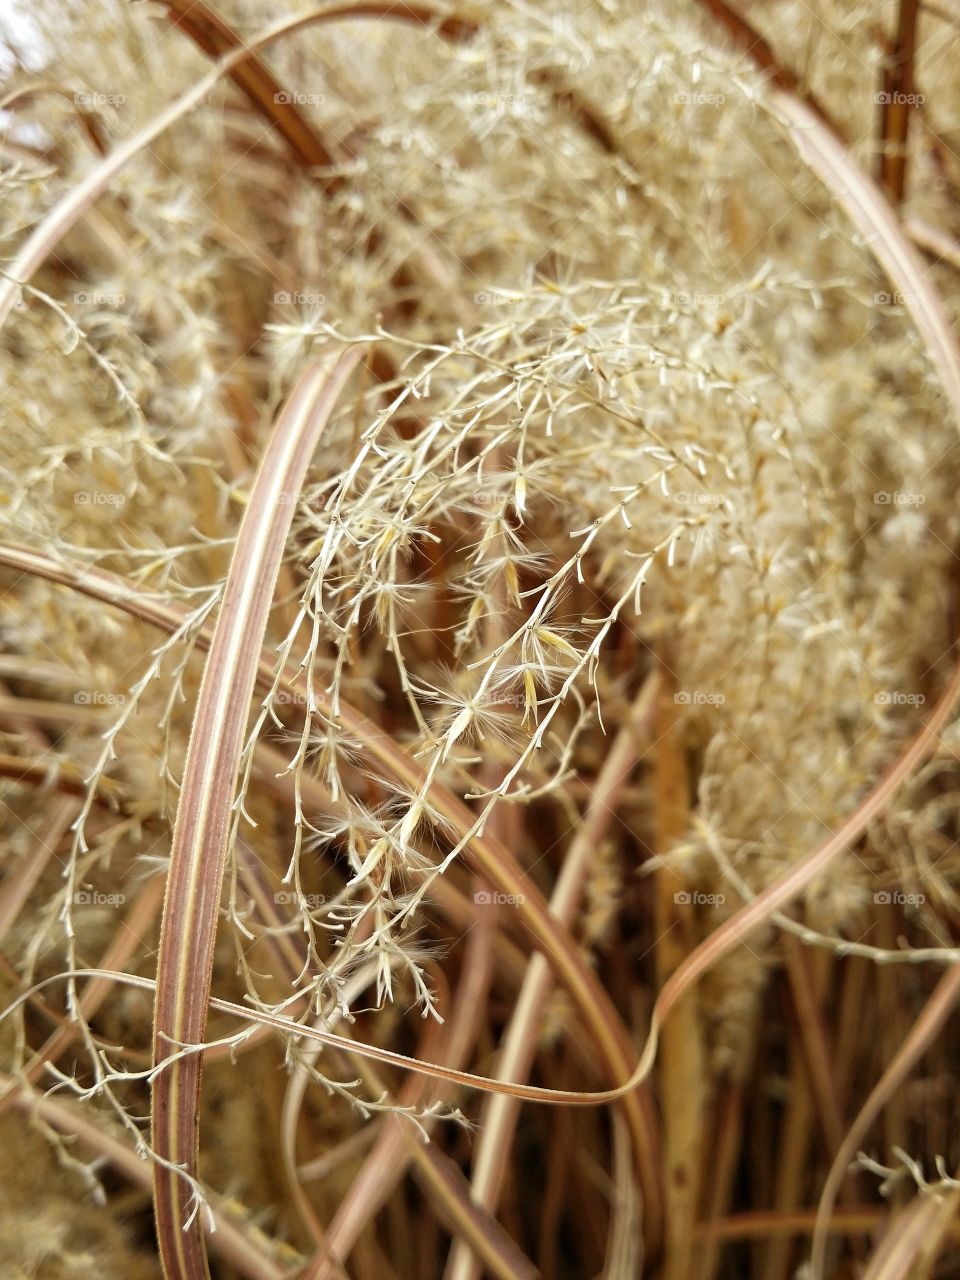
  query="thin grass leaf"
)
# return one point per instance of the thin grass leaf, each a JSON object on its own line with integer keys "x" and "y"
{"x": 201, "y": 834}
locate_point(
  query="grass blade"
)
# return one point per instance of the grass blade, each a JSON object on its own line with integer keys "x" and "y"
{"x": 203, "y": 823}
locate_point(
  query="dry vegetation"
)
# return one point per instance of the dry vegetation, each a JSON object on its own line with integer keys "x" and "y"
{"x": 478, "y": 732}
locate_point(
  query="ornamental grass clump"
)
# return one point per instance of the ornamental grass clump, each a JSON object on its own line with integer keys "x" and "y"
{"x": 479, "y": 745}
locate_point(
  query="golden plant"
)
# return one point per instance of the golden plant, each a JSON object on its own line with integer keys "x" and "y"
{"x": 480, "y": 612}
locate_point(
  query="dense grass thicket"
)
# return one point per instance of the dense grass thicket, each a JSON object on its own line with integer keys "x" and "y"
{"x": 479, "y": 726}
